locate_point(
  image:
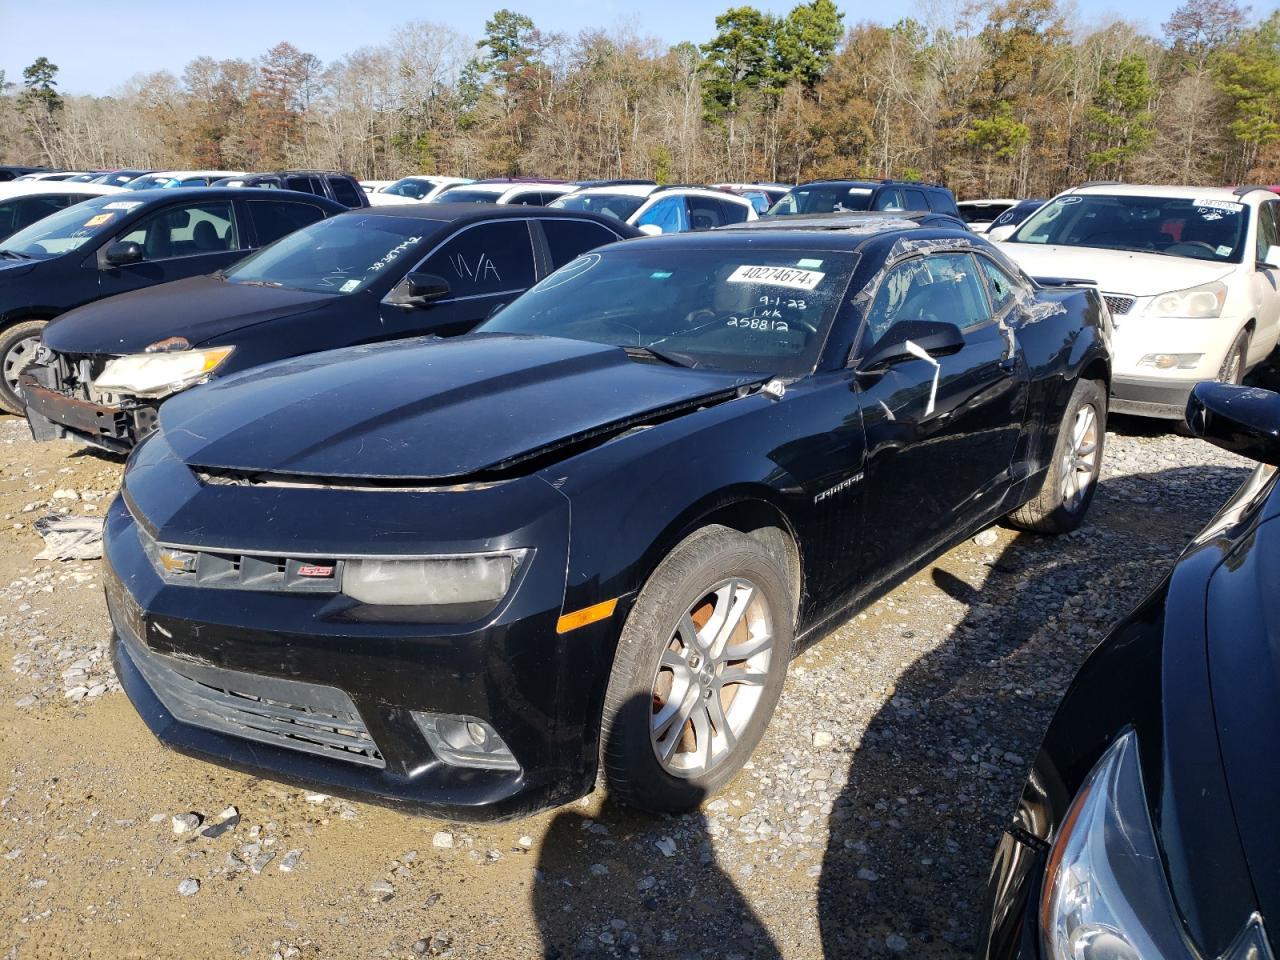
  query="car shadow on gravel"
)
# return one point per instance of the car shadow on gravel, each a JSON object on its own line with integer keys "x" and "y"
{"x": 631, "y": 884}
{"x": 938, "y": 770}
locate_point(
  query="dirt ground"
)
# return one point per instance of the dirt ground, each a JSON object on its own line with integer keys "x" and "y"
{"x": 864, "y": 825}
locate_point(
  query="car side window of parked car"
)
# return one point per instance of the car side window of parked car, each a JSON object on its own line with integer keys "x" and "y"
{"x": 567, "y": 239}
{"x": 1002, "y": 287}
{"x": 23, "y": 211}
{"x": 669, "y": 214}
{"x": 485, "y": 259}
{"x": 732, "y": 212}
{"x": 272, "y": 219}
{"x": 705, "y": 213}
{"x": 916, "y": 200}
{"x": 345, "y": 192}
{"x": 943, "y": 287}
{"x": 890, "y": 199}
{"x": 304, "y": 184}
{"x": 1268, "y": 229}
{"x": 185, "y": 230}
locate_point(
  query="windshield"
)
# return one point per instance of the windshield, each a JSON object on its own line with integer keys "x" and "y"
{"x": 466, "y": 195}
{"x": 823, "y": 198}
{"x": 411, "y": 188}
{"x": 982, "y": 212}
{"x": 70, "y": 229}
{"x": 759, "y": 311}
{"x": 617, "y": 205}
{"x": 1203, "y": 229}
{"x": 152, "y": 180}
{"x": 341, "y": 255}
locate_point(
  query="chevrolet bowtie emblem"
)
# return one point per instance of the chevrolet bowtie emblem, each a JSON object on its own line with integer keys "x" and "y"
{"x": 177, "y": 561}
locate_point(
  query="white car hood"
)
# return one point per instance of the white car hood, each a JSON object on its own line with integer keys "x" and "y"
{"x": 1116, "y": 271}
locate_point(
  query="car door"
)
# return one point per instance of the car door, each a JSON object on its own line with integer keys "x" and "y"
{"x": 940, "y": 432}
{"x": 183, "y": 239}
{"x": 1266, "y": 282}
{"x": 485, "y": 264}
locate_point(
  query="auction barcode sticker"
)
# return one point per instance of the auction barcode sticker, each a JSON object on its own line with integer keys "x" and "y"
{"x": 778, "y": 277}
{"x": 1227, "y": 205}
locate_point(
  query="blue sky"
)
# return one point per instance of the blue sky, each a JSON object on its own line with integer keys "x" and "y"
{"x": 99, "y": 45}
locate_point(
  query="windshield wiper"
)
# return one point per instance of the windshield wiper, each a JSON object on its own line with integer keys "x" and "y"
{"x": 665, "y": 356}
{"x": 15, "y": 255}
{"x": 256, "y": 283}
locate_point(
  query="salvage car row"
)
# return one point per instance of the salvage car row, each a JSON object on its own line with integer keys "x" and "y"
{"x": 583, "y": 525}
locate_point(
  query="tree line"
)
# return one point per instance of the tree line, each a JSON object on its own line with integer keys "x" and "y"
{"x": 1001, "y": 97}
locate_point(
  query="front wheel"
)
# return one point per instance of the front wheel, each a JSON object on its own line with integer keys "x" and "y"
{"x": 18, "y": 346}
{"x": 698, "y": 671}
{"x": 1077, "y": 460}
{"x": 1233, "y": 367}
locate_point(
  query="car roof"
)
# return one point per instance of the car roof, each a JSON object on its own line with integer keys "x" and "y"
{"x": 984, "y": 201}
{"x": 148, "y": 195}
{"x": 852, "y": 221}
{"x": 12, "y": 188}
{"x": 618, "y": 190}
{"x": 739, "y": 236}
{"x": 463, "y": 212}
{"x": 1157, "y": 190}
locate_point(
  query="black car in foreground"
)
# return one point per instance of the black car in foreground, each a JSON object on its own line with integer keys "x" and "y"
{"x": 361, "y": 277}
{"x": 1147, "y": 826}
{"x": 463, "y": 573}
{"x": 121, "y": 242}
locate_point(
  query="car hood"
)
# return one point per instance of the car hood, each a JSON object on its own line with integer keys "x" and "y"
{"x": 1244, "y": 671}
{"x": 1115, "y": 271}
{"x": 429, "y": 409}
{"x": 197, "y": 308}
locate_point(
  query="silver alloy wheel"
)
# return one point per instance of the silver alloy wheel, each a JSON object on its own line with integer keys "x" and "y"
{"x": 711, "y": 677}
{"x": 18, "y": 359}
{"x": 1080, "y": 461}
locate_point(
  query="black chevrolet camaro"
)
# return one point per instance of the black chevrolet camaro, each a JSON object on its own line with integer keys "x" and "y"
{"x": 1147, "y": 826}
{"x": 103, "y": 370}
{"x": 118, "y": 243}
{"x": 464, "y": 573}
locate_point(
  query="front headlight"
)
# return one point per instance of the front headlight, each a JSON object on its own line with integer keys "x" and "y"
{"x": 471, "y": 585}
{"x": 160, "y": 374}
{"x": 1105, "y": 895}
{"x": 1203, "y": 302}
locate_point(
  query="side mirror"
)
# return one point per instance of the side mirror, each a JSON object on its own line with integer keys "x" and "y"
{"x": 123, "y": 252}
{"x": 421, "y": 289}
{"x": 650, "y": 229}
{"x": 1272, "y": 259}
{"x": 931, "y": 337}
{"x": 1244, "y": 420}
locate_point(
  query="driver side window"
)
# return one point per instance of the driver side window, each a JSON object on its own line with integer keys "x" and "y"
{"x": 185, "y": 230}
{"x": 1268, "y": 229}
{"x": 942, "y": 287}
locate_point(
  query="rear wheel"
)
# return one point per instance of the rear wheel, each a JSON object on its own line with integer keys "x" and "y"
{"x": 18, "y": 346}
{"x": 1077, "y": 460}
{"x": 698, "y": 672}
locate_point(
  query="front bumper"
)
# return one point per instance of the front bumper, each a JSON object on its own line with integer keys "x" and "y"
{"x": 53, "y": 415}
{"x": 1163, "y": 398}
{"x": 199, "y": 664}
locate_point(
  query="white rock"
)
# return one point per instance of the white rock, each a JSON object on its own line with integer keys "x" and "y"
{"x": 987, "y": 538}
{"x": 822, "y": 739}
{"x": 666, "y": 846}
{"x": 443, "y": 840}
{"x": 189, "y": 887}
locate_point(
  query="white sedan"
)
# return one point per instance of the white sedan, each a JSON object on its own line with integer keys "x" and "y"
{"x": 1191, "y": 276}
{"x": 23, "y": 202}
{"x": 655, "y": 209}
{"x": 415, "y": 189}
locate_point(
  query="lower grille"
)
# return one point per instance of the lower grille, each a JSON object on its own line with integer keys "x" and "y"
{"x": 309, "y": 717}
{"x": 1118, "y": 304}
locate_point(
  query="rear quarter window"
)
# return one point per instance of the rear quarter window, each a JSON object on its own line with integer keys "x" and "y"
{"x": 346, "y": 192}
{"x": 569, "y": 239}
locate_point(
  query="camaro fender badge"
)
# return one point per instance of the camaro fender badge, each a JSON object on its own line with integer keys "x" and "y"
{"x": 315, "y": 570}
{"x": 838, "y": 488}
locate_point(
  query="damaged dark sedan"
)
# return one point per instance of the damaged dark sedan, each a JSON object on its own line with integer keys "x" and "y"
{"x": 103, "y": 370}
{"x": 465, "y": 574}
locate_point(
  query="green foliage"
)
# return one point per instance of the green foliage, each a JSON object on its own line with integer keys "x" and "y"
{"x": 663, "y": 164}
{"x": 1250, "y": 76}
{"x": 999, "y": 136}
{"x": 739, "y": 58}
{"x": 805, "y": 40}
{"x": 508, "y": 36}
{"x": 38, "y": 83}
{"x": 1119, "y": 115}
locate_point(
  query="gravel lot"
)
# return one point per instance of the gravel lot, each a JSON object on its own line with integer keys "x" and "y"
{"x": 864, "y": 826}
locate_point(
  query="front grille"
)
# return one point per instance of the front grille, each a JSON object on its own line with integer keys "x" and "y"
{"x": 1118, "y": 304}
{"x": 72, "y": 373}
{"x": 308, "y": 717}
{"x": 242, "y": 571}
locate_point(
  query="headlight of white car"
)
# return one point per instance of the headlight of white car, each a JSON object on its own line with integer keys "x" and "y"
{"x": 160, "y": 374}
{"x": 1105, "y": 896}
{"x": 1193, "y": 303}
{"x": 474, "y": 583}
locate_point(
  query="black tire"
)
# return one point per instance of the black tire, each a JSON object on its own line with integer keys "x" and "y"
{"x": 17, "y": 349}
{"x": 1052, "y": 511}
{"x": 1237, "y": 358}
{"x": 706, "y": 558}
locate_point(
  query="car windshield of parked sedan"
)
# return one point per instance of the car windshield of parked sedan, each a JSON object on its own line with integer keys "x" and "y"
{"x": 340, "y": 255}
{"x": 69, "y": 229}
{"x": 823, "y": 198}
{"x": 1203, "y": 229}
{"x": 410, "y": 187}
{"x": 616, "y": 205}
{"x": 748, "y": 309}
{"x": 466, "y": 195}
